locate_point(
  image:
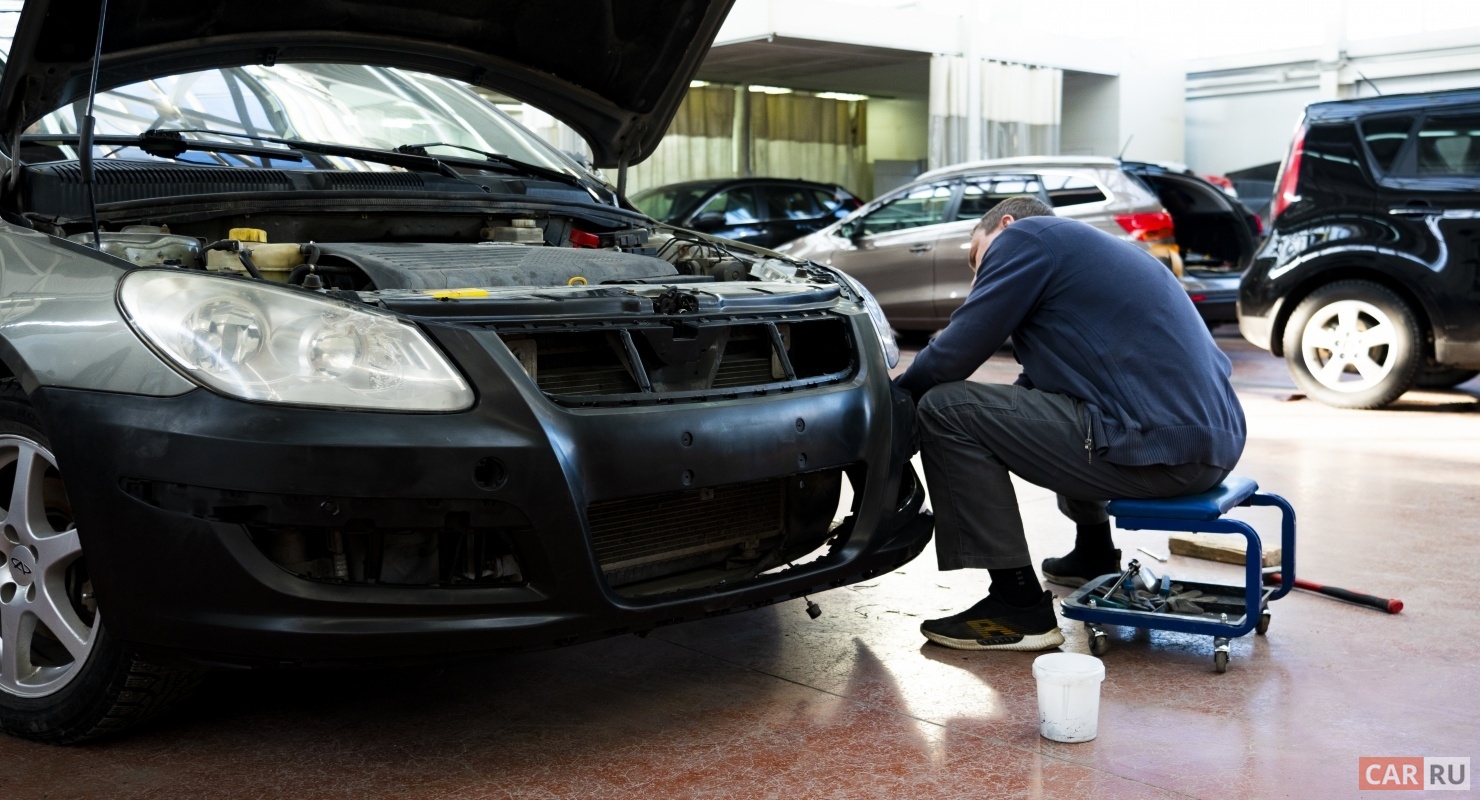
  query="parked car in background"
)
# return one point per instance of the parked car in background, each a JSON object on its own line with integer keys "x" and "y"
{"x": 1369, "y": 282}
{"x": 760, "y": 211}
{"x": 909, "y": 246}
{"x": 337, "y": 364}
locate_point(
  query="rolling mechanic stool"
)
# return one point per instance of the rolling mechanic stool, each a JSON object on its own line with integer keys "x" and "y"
{"x": 1201, "y": 513}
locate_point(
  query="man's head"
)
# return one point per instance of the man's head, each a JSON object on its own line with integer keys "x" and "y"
{"x": 995, "y": 221}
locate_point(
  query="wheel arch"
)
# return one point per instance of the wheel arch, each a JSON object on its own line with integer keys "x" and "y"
{"x": 1423, "y": 313}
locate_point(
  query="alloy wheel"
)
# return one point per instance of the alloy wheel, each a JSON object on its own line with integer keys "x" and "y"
{"x": 48, "y": 619}
{"x": 1348, "y": 345}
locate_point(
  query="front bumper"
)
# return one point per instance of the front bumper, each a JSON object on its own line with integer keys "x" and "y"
{"x": 191, "y": 583}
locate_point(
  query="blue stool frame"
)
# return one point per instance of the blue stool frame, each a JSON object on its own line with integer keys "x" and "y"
{"x": 1201, "y": 513}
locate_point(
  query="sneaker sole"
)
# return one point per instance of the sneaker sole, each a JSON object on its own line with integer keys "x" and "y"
{"x": 1037, "y": 641}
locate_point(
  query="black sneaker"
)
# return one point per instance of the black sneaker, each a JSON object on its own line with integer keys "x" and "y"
{"x": 1076, "y": 570}
{"x": 995, "y": 625}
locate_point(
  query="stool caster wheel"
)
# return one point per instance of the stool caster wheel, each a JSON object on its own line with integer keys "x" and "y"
{"x": 1220, "y": 655}
{"x": 1263, "y": 626}
{"x": 1099, "y": 643}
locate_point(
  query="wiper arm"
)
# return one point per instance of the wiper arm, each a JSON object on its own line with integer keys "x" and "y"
{"x": 417, "y": 163}
{"x": 510, "y": 164}
{"x": 168, "y": 144}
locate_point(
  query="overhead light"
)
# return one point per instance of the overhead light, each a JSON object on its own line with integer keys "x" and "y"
{"x": 698, "y": 84}
{"x": 842, "y": 96}
{"x": 770, "y": 89}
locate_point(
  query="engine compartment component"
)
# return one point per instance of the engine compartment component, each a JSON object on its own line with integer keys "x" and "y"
{"x": 146, "y": 246}
{"x": 425, "y": 266}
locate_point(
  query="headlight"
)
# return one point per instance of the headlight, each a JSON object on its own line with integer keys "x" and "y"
{"x": 288, "y": 346}
{"x": 875, "y": 313}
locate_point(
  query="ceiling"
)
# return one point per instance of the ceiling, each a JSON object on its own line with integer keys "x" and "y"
{"x": 816, "y": 66}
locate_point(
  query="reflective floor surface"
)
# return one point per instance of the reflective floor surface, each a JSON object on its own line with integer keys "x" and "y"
{"x": 770, "y": 704}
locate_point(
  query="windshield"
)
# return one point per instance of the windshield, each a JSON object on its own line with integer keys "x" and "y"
{"x": 361, "y": 106}
{"x": 670, "y": 203}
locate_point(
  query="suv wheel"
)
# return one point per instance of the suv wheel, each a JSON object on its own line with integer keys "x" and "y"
{"x": 1353, "y": 344}
{"x": 62, "y": 679}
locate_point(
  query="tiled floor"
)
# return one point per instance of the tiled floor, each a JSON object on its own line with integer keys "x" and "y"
{"x": 770, "y": 704}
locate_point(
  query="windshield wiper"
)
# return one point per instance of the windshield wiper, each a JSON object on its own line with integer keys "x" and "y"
{"x": 168, "y": 144}
{"x": 500, "y": 159}
{"x": 417, "y": 163}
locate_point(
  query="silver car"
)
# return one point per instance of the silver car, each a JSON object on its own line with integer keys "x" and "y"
{"x": 909, "y": 247}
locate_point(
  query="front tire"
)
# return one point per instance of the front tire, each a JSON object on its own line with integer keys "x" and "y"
{"x": 63, "y": 679}
{"x": 1353, "y": 344}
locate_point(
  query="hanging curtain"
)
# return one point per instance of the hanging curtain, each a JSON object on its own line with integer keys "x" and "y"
{"x": 819, "y": 139}
{"x": 1020, "y": 110}
{"x": 699, "y": 144}
{"x": 949, "y": 108}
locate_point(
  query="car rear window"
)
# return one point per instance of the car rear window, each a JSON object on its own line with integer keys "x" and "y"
{"x": 737, "y": 205}
{"x": 1385, "y": 137}
{"x": 980, "y": 194}
{"x": 784, "y": 203}
{"x": 1449, "y": 144}
{"x": 1071, "y": 190}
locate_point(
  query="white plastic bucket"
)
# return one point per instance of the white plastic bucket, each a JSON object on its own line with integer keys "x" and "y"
{"x": 1068, "y": 696}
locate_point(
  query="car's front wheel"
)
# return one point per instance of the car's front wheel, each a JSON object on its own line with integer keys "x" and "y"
{"x": 62, "y": 678}
{"x": 1353, "y": 344}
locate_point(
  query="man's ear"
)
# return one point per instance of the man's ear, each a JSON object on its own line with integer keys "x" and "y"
{"x": 1007, "y": 219}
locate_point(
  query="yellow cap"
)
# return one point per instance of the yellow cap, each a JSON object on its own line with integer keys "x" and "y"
{"x": 247, "y": 234}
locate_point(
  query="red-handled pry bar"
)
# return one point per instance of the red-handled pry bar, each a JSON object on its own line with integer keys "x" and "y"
{"x": 1379, "y": 603}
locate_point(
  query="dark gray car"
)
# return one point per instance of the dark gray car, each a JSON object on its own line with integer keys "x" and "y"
{"x": 334, "y": 363}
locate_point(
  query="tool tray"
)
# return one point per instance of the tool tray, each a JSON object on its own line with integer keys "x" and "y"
{"x": 1223, "y": 606}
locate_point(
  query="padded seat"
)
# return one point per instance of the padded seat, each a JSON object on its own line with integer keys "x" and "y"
{"x": 1211, "y": 504}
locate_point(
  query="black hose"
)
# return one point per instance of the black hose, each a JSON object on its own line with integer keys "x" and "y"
{"x": 246, "y": 257}
{"x": 302, "y": 270}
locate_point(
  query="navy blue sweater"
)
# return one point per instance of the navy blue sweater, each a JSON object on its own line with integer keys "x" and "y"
{"x": 1101, "y": 320}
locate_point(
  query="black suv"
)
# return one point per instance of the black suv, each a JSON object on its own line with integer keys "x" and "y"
{"x": 1367, "y": 284}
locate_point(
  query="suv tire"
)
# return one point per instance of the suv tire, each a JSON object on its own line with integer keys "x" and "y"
{"x": 79, "y": 684}
{"x": 1353, "y": 344}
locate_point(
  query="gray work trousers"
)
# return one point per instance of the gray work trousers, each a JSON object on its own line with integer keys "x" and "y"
{"x": 973, "y": 434}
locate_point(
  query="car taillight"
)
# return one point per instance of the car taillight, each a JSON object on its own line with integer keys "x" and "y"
{"x": 1288, "y": 180}
{"x": 1152, "y": 226}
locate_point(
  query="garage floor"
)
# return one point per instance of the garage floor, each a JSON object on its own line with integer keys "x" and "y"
{"x": 855, "y": 704}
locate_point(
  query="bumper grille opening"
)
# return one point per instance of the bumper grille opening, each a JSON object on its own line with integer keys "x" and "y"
{"x": 684, "y": 360}
{"x": 692, "y": 539}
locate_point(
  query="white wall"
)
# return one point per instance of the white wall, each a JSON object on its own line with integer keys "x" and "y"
{"x": 1232, "y": 132}
{"x": 1153, "y": 111}
{"x": 1091, "y": 115}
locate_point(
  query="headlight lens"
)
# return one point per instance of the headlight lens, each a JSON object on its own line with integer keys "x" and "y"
{"x": 282, "y": 345}
{"x": 875, "y": 313}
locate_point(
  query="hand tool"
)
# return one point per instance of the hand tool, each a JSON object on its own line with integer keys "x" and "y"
{"x": 1379, "y": 603}
{"x": 1161, "y": 558}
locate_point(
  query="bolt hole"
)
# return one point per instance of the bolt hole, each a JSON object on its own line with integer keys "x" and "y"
{"x": 490, "y": 474}
{"x": 7, "y": 592}
{"x": 687, "y": 477}
{"x": 687, "y": 438}
{"x": 11, "y": 535}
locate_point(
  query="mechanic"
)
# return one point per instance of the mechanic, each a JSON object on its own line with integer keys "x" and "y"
{"x": 1123, "y": 393}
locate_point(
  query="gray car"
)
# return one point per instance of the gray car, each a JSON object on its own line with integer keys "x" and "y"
{"x": 910, "y": 246}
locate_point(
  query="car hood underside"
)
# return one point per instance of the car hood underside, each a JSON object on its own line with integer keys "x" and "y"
{"x": 615, "y": 70}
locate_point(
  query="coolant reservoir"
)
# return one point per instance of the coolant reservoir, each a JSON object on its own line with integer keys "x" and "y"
{"x": 274, "y": 261}
{"x": 146, "y": 246}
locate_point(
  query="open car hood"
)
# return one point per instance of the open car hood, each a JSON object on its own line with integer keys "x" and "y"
{"x": 614, "y": 70}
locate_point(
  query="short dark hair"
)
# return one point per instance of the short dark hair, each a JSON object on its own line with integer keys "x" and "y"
{"x": 1019, "y": 207}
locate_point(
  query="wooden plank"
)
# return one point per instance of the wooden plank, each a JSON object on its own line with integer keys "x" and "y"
{"x": 1224, "y": 547}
